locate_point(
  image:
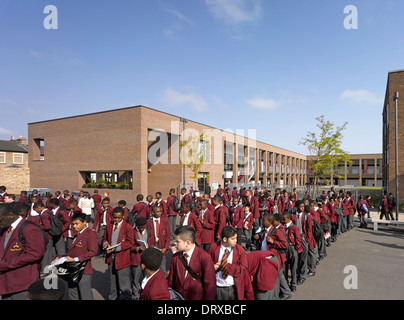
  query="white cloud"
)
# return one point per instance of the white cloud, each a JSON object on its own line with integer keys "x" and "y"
{"x": 235, "y": 11}
{"x": 177, "y": 99}
{"x": 178, "y": 24}
{"x": 264, "y": 104}
{"x": 361, "y": 96}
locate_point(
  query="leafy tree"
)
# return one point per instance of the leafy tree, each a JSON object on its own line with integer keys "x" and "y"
{"x": 325, "y": 146}
{"x": 197, "y": 152}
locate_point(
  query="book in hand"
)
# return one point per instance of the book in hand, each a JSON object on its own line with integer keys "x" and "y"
{"x": 114, "y": 246}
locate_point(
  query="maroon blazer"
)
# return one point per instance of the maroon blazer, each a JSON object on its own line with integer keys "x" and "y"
{"x": 170, "y": 210}
{"x": 141, "y": 208}
{"x": 189, "y": 288}
{"x": 254, "y": 207}
{"x": 61, "y": 214}
{"x": 99, "y": 217}
{"x": 236, "y": 269}
{"x": 280, "y": 244}
{"x": 126, "y": 238}
{"x": 307, "y": 229}
{"x": 85, "y": 247}
{"x": 194, "y": 222}
{"x": 134, "y": 252}
{"x": 220, "y": 220}
{"x": 97, "y": 199}
{"x": 208, "y": 227}
{"x": 237, "y": 216}
{"x": 70, "y": 214}
{"x": 163, "y": 207}
{"x": 164, "y": 234}
{"x": 293, "y": 234}
{"x": 349, "y": 205}
{"x": 263, "y": 272}
{"x": 156, "y": 288}
{"x": 248, "y": 222}
{"x": 17, "y": 272}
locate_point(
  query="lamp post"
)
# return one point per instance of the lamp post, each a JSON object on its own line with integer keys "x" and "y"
{"x": 184, "y": 121}
{"x": 395, "y": 98}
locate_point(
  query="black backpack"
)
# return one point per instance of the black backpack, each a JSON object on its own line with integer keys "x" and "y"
{"x": 22, "y": 240}
{"x": 55, "y": 225}
{"x": 317, "y": 230}
{"x": 176, "y": 204}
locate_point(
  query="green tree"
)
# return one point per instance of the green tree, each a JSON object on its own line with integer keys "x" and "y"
{"x": 197, "y": 152}
{"x": 325, "y": 146}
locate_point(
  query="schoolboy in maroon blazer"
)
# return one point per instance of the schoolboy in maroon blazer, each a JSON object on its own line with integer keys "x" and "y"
{"x": 142, "y": 242}
{"x": 160, "y": 235}
{"x": 198, "y": 261}
{"x": 254, "y": 204}
{"x": 83, "y": 248}
{"x": 162, "y": 204}
{"x": 263, "y": 269}
{"x": 237, "y": 218}
{"x": 229, "y": 275}
{"x": 207, "y": 220}
{"x": 141, "y": 208}
{"x": 190, "y": 219}
{"x": 103, "y": 216}
{"x": 3, "y": 193}
{"x": 154, "y": 285}
{"x": 220, "y": 216}
{"x": 19, "y": 263}
{"x": 172, "y": 215}
{"x": 118, "y": 259}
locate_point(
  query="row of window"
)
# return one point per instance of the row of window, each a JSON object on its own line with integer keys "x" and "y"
{"x": 18, "y": 158}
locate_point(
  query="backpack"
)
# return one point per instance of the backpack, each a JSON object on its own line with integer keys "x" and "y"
{"x": 174, "y": 295}
{"x": 364, "y": 208}
{"x": 317, "y": 230}
{"x": 176, "y": 204}
{"x": 55, "y": 225}
{"x": 21, "y": 237}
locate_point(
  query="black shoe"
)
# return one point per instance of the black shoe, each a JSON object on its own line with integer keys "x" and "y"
{"x": 292, "y": 288}
{"x": 285, "y": 296}
{"x": 300, "y": 281}
{"x": 311, "y": 274}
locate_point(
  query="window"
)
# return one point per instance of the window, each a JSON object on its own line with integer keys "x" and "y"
{"x": 38, "y": 149}
{"x": 2, "y": 157}
{"x": 107, "y": 179}
{"x": 18, "y": 158}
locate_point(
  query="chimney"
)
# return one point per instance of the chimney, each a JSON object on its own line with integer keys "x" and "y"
{"x": 22, "y": 141}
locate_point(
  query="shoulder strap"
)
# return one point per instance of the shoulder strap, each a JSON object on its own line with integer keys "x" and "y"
{"x": 190, "y": 271}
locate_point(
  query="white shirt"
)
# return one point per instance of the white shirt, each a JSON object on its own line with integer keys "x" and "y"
{"x": 202, "y": 212}
{"x": 86, "y": 205}
{"x": 264, "y": 242}
{"x": 186, "y": 217}
{"x": 229, "y": 281}
{"x": 155, "y": 229}
{"x": 189, "y": 253}
{"x": 145, "y": 280}
{"x": 104, "y": 218}
{"x": 15, "y": 223}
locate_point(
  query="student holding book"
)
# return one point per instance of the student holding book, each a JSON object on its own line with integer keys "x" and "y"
{"x": 117, "y": 241}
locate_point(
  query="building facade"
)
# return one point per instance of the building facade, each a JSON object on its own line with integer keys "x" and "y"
{"x": 14, "y": 169}
{"x": 366, "y": 170}
{"x": 139, "y": 150}
{"x": 395, "y": 83}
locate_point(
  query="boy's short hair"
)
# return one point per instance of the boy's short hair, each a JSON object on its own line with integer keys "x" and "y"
{"x": 186, "y": 233}
{"x": 151, "y": 258}
{"x": 187, "y": 205}
{"x": 105, "y": 200}
{"x": 37, "y": 290}
{"x": 118, "y": 210}
{"x": 21, "y": 207}
{"x": 141, "y": 221}
{"x": 139, "y": 197}
{"x": 269, "y": 217}
{"x": 158, "y": 193}
{"x": 79, "y": 216}
{"x": 228, "y": 232}
{"x": 287, "y": 215}
{"x": 122, "y": 202}
{"x": 54, "y": 201}
{"x": 38, "y": 205}
{"x": 11, "y": 196}
{"x": 278, "y": 217}
{"x": 74, "y": 201}
{"x": 247, "y": 205}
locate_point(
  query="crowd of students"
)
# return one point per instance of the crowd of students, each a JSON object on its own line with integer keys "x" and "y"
{"x": 235, "y": 245}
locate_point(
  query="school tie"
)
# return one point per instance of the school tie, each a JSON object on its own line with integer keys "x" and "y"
{"x": 186, "y": 260}
{"x": 157, "y": 227}
{"x": 182, "y": 220}
{"x": 224, "y": 264}
{"x": 9, "y": 229}
{"x": 115, "y": 227}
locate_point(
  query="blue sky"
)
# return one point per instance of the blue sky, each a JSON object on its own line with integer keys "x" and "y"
{"x": 273, "y": 66}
